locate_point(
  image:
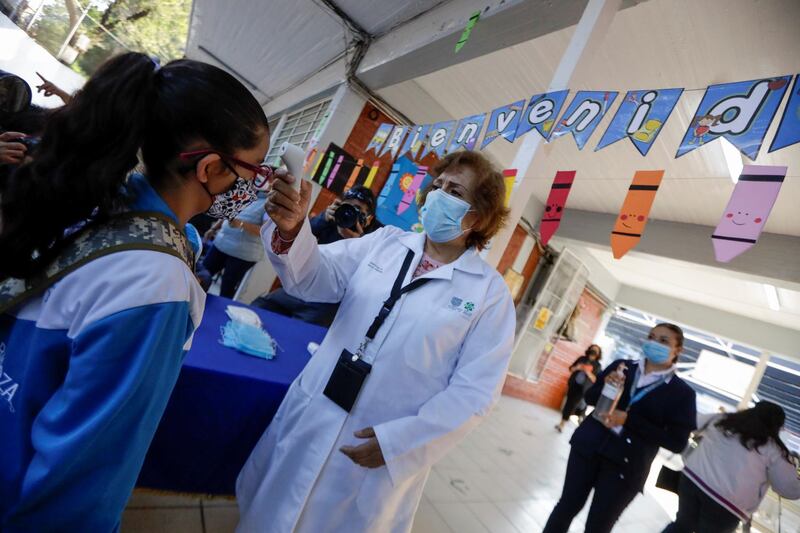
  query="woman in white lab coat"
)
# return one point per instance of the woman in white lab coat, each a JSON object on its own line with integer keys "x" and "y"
{"x": 438, "y": 361}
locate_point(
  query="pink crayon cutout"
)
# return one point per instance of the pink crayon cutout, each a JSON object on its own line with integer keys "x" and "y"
{"x": 335, "y": 171}
{"x": 555, "y": 205}
{"x": 411, "y": 192}
{"x": 747, "y": 210}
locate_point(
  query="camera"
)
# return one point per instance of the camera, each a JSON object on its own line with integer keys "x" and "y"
{"x": 346, "y": 216}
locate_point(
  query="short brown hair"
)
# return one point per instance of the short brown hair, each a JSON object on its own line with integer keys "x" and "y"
{"x": 488, "y": 194}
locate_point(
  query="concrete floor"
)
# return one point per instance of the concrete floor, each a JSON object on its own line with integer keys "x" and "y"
{"x": 504, "y": 477}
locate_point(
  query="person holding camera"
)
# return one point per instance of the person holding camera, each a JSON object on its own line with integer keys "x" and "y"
{"x": 349, "y": 217}
{"x": 415, "y": 359}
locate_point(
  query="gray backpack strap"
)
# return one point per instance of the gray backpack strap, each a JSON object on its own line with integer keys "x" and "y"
{"x": 127, "y": 231}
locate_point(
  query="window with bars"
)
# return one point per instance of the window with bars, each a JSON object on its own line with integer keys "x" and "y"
{"x": 298, "y": 128}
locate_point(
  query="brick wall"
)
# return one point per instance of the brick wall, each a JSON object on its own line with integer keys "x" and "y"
{"x": 550, "y": 388}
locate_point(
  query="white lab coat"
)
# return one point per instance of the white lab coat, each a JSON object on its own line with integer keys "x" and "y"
{"x": 438, "y": 367}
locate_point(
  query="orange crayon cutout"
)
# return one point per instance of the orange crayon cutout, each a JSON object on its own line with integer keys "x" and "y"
{"x": 353, "y": 175}
{"x": 309, "y": 160}
{"x": 634, "y": 212}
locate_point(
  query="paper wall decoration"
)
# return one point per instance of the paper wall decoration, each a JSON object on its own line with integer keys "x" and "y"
{"x": 414, "y": 141}
{"x": 635, "y": 210}
{"x": 503, "y": 122}
{"x": 640, "y": 118}
{"x": 394, "y": 141}
{"x": 789, "y": 128}
{"x": 542, "y": 113}
{"x": 467, "y": 133}
{"x": 336, "y": 170}
{"x": 555, "y": 205}
{"x": 747, "y": 210}
{"x": 376, "y": 143}
{"x": 509, "y": 177}
{"x": 437, "y": 138}
{"x": 371, "y": 175}
{"x": 473, "y": 19}
{"x": 741, "y": 112}
{"x": 397, "y": 203}
{"x": 584, "y": 114}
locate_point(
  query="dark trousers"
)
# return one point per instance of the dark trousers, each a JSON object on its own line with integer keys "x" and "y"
{"x": 698, "y": 513}
{"x": 279, "y": 301}
{"x": 612, "y": 494}
{"x": 572, "y": 404}
{"x": 233, "y": 269}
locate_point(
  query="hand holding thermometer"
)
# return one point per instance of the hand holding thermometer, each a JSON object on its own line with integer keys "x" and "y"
{"x": 293, "y": 156}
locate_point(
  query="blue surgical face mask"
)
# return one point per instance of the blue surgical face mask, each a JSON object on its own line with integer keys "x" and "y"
{"x": 655, "y": 352}
{"x": 248, "y": 338}
{"x": 442, "y": 216}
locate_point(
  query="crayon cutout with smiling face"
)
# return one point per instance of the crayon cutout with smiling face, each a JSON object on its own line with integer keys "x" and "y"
{"x": 552, "y": 212}
{"x": 555, "y": 204}
{"x": 633, "y": 222}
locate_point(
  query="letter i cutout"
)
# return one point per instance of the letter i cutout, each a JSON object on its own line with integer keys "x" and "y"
{"x": 634, "y": 212}
{"x": 747, "y": 211}
{"x": 556, "y": 203}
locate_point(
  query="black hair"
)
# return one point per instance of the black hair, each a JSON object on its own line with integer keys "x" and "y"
{"x": 589, "y": 349}
{"x": 757, "y": 426}
{"x": 90, "y": 146}
{"x": 363, "y": 194}
{"x": 30, "y": 121}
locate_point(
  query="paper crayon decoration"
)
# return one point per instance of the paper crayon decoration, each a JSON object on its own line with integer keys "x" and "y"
{"x": 555, "y": 205}
{"x": 338, "y": 171}
{"x": 789, "y": 128}
{"x": 391, "y": 181}
{"x": 747, "y": 211}
{"x": 376, "y": 143}
{"x": 371, "y": 176}
{"x": 316, "y": 165}
{"x": 411, "y": 189}
{"x": 468, "y": 30}
{"x": 309, "y": 160}
{"x": 354, "y": 175}
{"x": 509, "y": 177}
{"x": 634, "y": 212}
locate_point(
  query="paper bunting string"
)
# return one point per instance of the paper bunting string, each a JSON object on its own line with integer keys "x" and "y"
{"x": 414, "y": 141}
{"x": 542, "y": 113}
{"x": 468, "y": 30}
{"x": 747, "y": 210}
{"x": 376, "y": 143}
{"x": 584, "y": 114}
{"x": 503, "y": 123}
{"x": 789, "y": 128}
{"x": 555, "y": 205}
{"x": 438, "y": 137}
{"x": 741, "y": 112}
{"x": 635, "y": 210}
{"x": 640, "y": 118}
{"x": 467, "y": 133}
{"x": 394, "y": 141}
{"x": 509, "y": 177}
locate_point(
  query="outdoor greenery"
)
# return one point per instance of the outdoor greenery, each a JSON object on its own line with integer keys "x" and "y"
{"x": 155, "y": 27}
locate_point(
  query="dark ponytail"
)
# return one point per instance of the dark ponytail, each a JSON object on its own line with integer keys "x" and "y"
{"x": 90, "y": 146}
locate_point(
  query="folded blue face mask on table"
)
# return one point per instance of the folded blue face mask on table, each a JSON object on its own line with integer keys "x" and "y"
{"x": 249, "y": 339}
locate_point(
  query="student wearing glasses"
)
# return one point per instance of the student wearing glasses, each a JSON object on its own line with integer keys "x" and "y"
{"x": 88, "y": 362}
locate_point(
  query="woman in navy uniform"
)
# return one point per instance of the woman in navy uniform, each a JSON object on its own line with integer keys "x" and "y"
{"x": 613, "y": 456}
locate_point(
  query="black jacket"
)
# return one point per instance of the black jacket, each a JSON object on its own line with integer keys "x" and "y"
{"x": 662, "y": 418}
{"x": 327, "y": 232}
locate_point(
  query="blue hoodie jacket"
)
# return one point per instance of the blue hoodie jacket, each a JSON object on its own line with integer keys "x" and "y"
{"x": 85, "y": 374}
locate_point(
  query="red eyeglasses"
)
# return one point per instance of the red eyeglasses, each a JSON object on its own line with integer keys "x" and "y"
{"x": 263, "y": 173}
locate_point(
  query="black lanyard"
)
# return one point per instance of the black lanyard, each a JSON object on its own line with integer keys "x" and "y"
{"x": 395, "y": 295}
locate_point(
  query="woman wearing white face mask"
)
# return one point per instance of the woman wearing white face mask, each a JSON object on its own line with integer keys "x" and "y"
{"x": 415, "y": 358}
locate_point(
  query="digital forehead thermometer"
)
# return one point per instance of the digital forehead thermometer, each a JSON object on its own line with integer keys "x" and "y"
{"x": 293, "y": 156}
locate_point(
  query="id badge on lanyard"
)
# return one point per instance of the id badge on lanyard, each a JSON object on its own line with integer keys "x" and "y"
{"x": 351, "y": 371}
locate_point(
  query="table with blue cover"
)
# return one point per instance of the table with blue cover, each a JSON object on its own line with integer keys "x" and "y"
{"x": 222, "y": 403}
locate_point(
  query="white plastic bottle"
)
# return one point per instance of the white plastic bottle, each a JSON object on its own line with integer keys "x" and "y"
{"x": 609, "y": 397}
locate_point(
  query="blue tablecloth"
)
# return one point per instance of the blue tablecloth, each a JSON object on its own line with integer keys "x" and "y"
{"x": 222, "y": 403}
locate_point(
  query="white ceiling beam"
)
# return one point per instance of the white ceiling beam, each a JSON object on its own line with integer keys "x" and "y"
{"x": 745, "y": 330}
